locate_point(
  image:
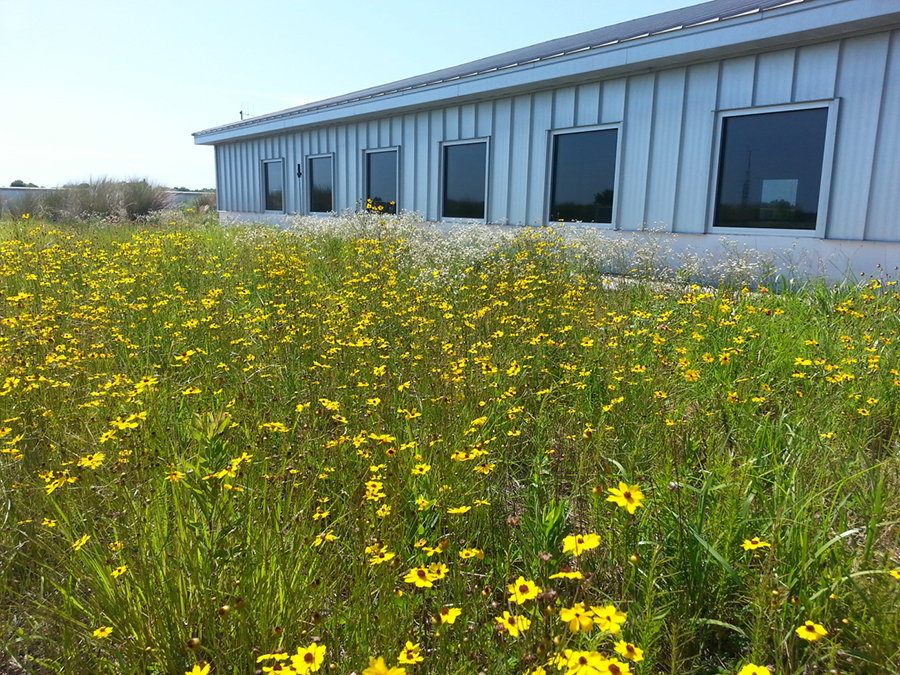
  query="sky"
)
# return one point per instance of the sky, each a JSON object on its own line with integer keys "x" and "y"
{"x": 115, "y": 88}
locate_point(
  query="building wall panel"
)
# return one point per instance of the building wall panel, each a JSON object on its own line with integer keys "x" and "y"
{"x": 736, "y": 78}
{"x": 563, "y": 108}
{"x": 406, "y": 157}
{"x": 484, "y": 124}
{"x": 240, "y": 175}
{"x": 436, "y": 137}
{"x": 588, "y": 104}
{"x": 664, "y": 148}
{"x": 883, "y": 218}
{"x": 499, "y": 161}
{"x": 237, "y": 177}
{"x": 520, "y": 148}
{"x": 451, "y": 123}
{"x": 612, "y": 101}
{"x": 697, "y": 129}
{"x": 816, "y": 71}
{"x": 422, "y": 161}
{"x": 467, "y": 121}
{"x": 634, "y": 155}
{"x": 541, "y": 123}
{"x": 246, "y": 174}
{"x": 774, "y": 78}
{"x": 861, "y": 71}
{"x": 348, "y": 166}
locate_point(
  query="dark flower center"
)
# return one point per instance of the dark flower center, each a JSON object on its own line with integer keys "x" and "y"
{"x": 523, "y": 588}
{"x": 627, "y": 494}
{"x": 614, "y": 669}
{"x": 308, "y": 657}
{"x": 582, "y": 661}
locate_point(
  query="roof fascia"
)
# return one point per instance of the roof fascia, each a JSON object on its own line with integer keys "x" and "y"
{"x": 777, "y": 27}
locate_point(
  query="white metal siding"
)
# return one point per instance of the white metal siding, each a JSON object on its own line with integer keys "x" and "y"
{"x": 667, "y": 140}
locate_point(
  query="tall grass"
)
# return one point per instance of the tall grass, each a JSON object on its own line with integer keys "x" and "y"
{"x": 262, "y": 431}
{"x": 102, "y": 199}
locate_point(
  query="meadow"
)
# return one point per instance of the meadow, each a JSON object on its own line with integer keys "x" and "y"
{"x": 375, "y": 449}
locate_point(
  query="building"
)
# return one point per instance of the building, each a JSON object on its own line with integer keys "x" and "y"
{"x": 774, "y": 122}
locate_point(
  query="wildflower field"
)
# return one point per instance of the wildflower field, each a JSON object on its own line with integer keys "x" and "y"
{"x": 358, "y": 446}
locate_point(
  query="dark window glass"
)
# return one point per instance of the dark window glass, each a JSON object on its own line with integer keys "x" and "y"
{"x": 274, "y": 186}
{"x": 584, "y": 174}
{"x": 381, "y": 181}
{"x": 320, "y": 185}
{"x": 770, "y": 169}
{"x": 464, "y": 179}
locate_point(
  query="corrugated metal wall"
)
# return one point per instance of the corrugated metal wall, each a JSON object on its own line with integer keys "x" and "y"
{"x": 667, "y": 140}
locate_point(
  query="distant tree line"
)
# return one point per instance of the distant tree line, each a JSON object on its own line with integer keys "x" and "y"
{"x": 21, "y": 183}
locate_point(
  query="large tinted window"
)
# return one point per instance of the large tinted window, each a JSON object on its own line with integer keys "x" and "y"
{"x": 274, "y": 178}
{"x": 320, "y": 185}
{"x": 464, "y": 180}
{"x": 381, "y": 181}
{"x": 584, "y": 173}
{"x": 770, "y": 169}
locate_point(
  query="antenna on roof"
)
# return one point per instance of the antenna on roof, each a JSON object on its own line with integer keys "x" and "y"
{"x": 242, "y": 115}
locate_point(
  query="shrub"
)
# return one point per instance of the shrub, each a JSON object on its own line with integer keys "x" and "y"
{"x": 206, "y": 200}
{"x": 140, "y": 197}
{"x": 28, "y": 203}
{"x": 101, "y": 198}
{"x": 55, "y": 206}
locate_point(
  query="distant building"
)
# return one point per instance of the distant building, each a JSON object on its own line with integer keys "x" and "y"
{"x": 769, "y": 121}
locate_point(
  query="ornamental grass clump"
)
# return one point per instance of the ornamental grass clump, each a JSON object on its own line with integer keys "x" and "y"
{"x": 397, "y": 450}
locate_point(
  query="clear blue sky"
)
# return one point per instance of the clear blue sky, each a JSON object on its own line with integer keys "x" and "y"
{"x": 116, "y": 87}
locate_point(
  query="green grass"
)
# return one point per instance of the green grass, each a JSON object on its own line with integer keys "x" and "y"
{"x": 328, "y": 360}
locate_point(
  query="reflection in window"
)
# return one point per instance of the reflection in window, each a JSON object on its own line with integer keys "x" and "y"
{"x": 274, "y": 186}
{"x": 770, "y": 169}
{"x": 381, "y": 181}
{"x": 583, "y": 178}
{"x": 464, "y": 180}
{"x": 320, "y": 185}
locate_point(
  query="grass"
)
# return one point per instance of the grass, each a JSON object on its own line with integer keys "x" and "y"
{"x": 221, "y": 443}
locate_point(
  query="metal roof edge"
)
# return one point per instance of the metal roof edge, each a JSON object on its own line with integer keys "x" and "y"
{"x": 753, "y": 14}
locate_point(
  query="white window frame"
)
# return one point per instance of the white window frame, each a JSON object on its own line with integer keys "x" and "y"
{"x": 832, "y": 105}
{"x": 548, "y": 188}
{"x": 365, "y": 173}
{"x": 265, "y": 185}
{"x": 487, "y": 178}
{"x": 308, "y": 186}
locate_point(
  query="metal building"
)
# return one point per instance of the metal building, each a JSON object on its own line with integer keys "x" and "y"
{"x": 764, "y": 120}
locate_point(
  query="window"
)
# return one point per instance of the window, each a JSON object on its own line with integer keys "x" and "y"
{"x": 273, "y": 177}
{"x": 321, "y": 182}
{"x": 770, "y": 169}
{"x": 583, "y": 176}
{"x": 381, "y": 181}
{"x": 465, "y": 180}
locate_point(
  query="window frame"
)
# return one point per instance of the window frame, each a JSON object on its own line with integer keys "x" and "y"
{"x": 486, "y": 140}
{"x": 548, "y": 188}
{"x": 832, "y": 106}
{"x": 265, "y": 185}
{"x": 365, "y": 173}
{"x": 308, "y": 186}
